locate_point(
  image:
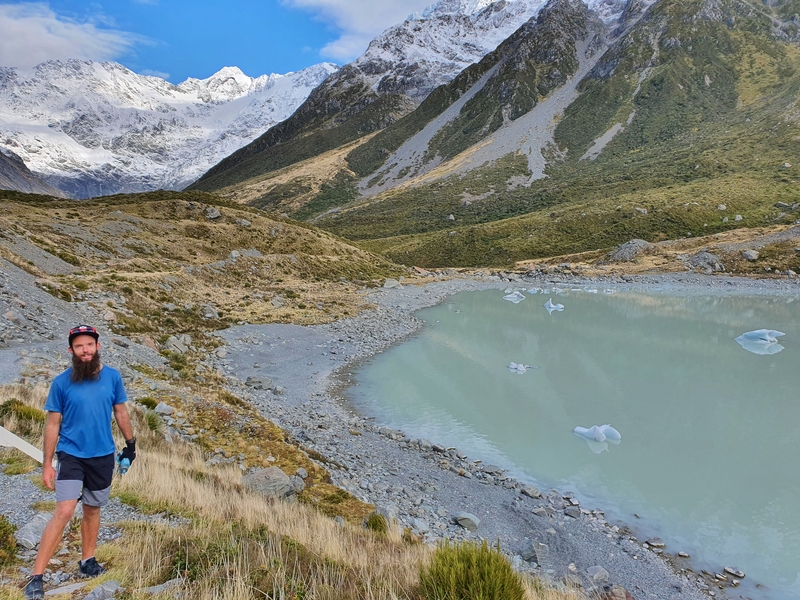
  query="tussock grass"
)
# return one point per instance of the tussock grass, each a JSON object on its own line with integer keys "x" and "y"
{"x": 470, "y": 571}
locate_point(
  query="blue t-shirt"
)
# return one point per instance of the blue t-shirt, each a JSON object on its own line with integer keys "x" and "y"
{"x": 85, "y": 408}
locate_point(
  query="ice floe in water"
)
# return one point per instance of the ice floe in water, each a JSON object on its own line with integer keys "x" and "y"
{"x": 761, "y": 341}
{"x": 518, "y": 368}
{"x": 515, "y": 297}
{"x": 598, "y": 436}
{"x": 551, "y": 307}
{"x": 534, "y": 290}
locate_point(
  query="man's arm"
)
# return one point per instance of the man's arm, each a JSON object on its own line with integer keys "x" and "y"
{"x": 52, "y": 427}
{"x": 123, "y": 421}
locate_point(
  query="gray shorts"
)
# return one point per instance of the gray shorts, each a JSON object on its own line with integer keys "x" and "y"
{"x": 84, "y": 479}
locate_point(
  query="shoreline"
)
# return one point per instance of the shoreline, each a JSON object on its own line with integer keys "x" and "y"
{"x": 423, "y": 484}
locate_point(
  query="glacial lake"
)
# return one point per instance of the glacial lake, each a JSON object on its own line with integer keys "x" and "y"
{"x": 710, "y": 452}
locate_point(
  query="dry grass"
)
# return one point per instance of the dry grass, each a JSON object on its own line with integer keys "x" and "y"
{"x": 235, "y": 544}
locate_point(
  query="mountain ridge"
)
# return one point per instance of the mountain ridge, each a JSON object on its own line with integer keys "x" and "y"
{"x": 92, "y": 128}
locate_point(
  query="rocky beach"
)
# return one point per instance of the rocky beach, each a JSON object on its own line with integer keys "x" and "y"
{"x": 295, "y": 376}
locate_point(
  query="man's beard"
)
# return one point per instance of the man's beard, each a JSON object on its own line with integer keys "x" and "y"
{"x": 85, "y": 371}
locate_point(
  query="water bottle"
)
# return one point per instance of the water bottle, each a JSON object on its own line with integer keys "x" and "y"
{"x": 124, "y": 464}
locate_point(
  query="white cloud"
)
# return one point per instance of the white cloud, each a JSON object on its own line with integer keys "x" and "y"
{"x": 31, "y": 33}
{"x": 359, "y": 21}
{"x": 152, "y": 73}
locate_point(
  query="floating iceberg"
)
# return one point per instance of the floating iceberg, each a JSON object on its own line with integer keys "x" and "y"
{"x": 768, "y": 336}
{"x": 551, "y": 307}
{"x": 591, "y": 291}
{"x": 516, "y": 297}
{"x": 761, "y": 341}
{"x": 534, "y": 290}
{"x": 518, "y": 368}
{"x": 598, "y": 436}
{"x": 608, "y": 292}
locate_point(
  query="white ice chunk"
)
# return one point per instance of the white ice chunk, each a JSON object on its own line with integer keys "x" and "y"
{"x": 592, "y": 433}
{"x": 598, "y": 436}
{"x": 609, "y": 292}
{"x": 518, "y": 368}
{"x": 533, "y": 291}
{"x": 516, "y": 297}
{"x": 551, "y": 307}
{"x": 768, "y": 336}
{"x": 591, "y": 291}
{"x": 612, "y": 435}
{"x": 761, "y": 341}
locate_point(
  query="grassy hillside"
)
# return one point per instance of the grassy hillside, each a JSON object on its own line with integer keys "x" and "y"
{"x": 162, "y": 249}
{"x": 706, "y": 103}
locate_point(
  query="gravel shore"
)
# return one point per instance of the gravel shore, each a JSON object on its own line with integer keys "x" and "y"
{"x": 421, "y": 483}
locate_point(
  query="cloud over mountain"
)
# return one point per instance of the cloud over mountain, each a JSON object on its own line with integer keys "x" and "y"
{"x": 32, "y": 33}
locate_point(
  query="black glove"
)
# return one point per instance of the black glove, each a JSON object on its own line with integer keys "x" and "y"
{"x": 129, "y": 451}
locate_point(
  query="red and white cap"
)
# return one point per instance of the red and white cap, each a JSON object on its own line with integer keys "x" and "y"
{"x": 83, "y": 330}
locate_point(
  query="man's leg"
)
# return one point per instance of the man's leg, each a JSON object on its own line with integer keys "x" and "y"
{"x": 96, "y": 492}
{"x": 53, "y": 533}
{"x": 90, "y": 526}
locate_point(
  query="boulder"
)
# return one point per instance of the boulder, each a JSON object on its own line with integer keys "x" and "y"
{"x": 528, "y": 552}
{"x": 164, "y": 587}
{"x": 706, "y": 260}
{"x": 104, "y": 591}
{"x": 301, "y": 472}
{"x": 258, "y": 383}
{"x": 531, "y": 491}
{"x": 212, "y": 213}
{"x": 178, "y": 344}
{"x": 597, "y": 573}
{"x": 492, "y": 470}
{"x": 164, "y": 409}
{"x": 209, "y": 312}
{"x": 656, "y": 542}
{"x": 751, "y": 255}
{"x": 573, "y": 511}
{"x": 388, "y": 512}
{"x": 243, "y": 222}
{"x": 29, "y": 535}
{"x": 392, "y": 284}
{"x": 270, "y": 482}
{"x": 421, "y": 525}
{"x": 467, "y": 520}
{"x": 297, "y": 483}
{"x": 630, "y": 250}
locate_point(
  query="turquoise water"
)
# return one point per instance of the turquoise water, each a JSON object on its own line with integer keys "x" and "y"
{"x": 710, "y": 431}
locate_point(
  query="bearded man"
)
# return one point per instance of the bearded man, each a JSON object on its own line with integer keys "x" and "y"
{"x": 79, "y": 408}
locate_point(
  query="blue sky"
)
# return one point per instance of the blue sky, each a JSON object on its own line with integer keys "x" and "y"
{"x": 176, "y": 39}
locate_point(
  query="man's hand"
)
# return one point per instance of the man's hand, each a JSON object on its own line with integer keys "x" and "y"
{"x": 129, "y": 451}
{"x": 49, "y": 476}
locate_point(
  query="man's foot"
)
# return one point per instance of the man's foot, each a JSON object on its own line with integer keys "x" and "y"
{"x": 90, "y": 568}
{"x": 35, "y": 588}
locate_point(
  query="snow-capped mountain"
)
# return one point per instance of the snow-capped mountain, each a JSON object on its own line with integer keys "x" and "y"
{"x": 399, "y": 69}
{"x": 92, "y": 128}
{"x": 431, "y": 47}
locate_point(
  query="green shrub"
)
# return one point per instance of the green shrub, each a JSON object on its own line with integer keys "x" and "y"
{"x": 8, "y": 545}
{"x": 377, "y": 523}
{"x": 29, "y": 418}
{"x": 149, "y": 402}
{"x": 469, "y": 571}
{"x": 154, "y": 422}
